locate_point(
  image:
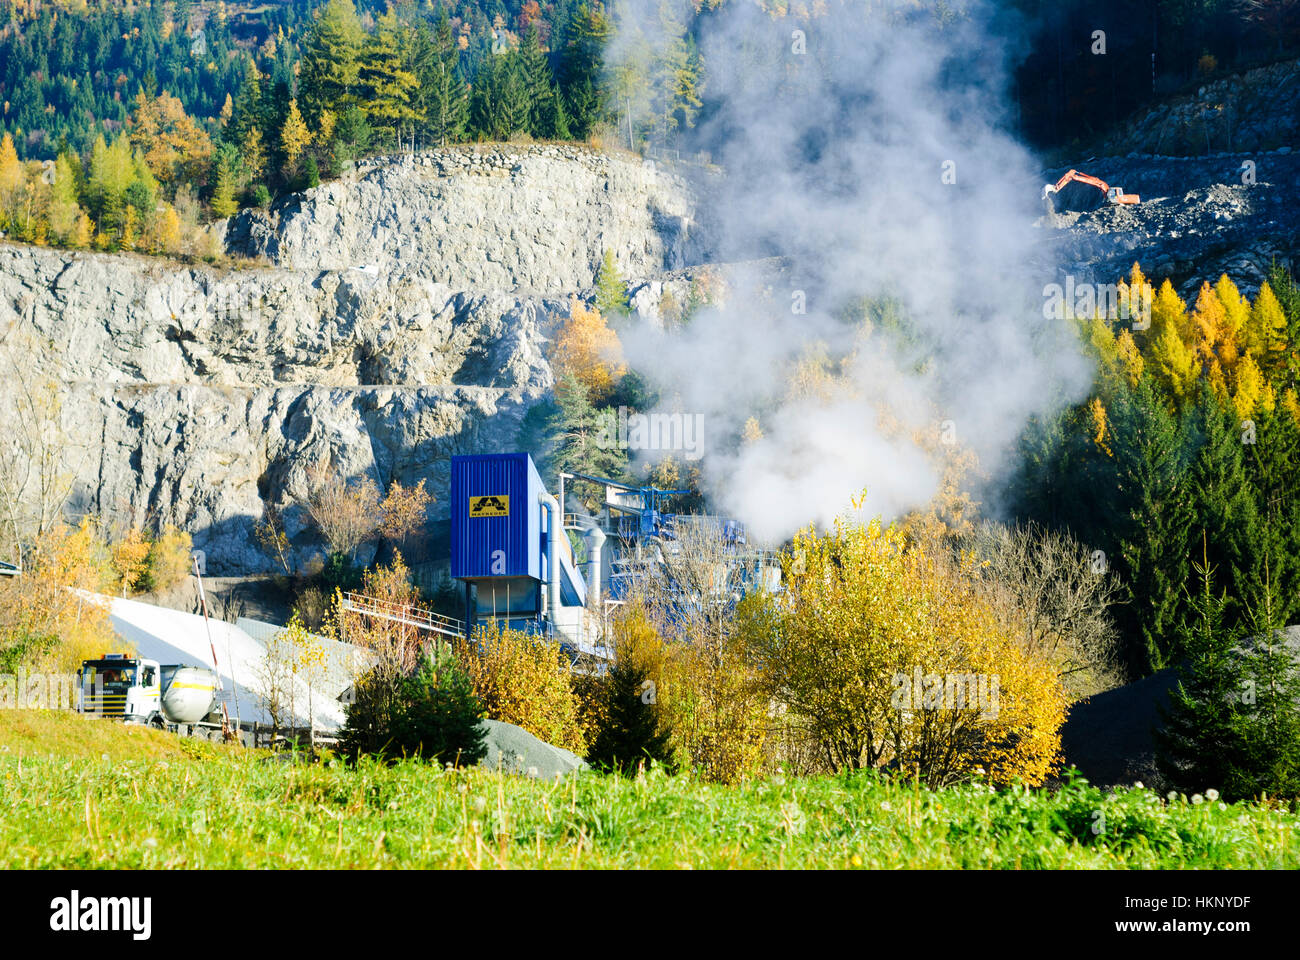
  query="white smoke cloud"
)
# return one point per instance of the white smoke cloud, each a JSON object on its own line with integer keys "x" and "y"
{"x": 877, "y": 163}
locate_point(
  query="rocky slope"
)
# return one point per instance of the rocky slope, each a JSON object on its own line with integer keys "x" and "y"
{"x": 400, "y": 315}
{"x": 402, "y": 319}
{"x": 491, "y": 218}
{"x": 1199, "y": 217}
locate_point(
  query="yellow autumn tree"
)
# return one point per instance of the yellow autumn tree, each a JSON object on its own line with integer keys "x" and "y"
{"x": 130, "y": 556}
{"x": 1248, "y": 389}
{"x": 524, "y": 679}
{"x": 294, "y": 138}
{"x": 1131, "y": 363}
{"x": 1168, "y": 311}
{"x": 1100, "y": 424}
{"x": 47, "y": 613}
{"x": 1173, "y": 363}
{"x": 889, "y": 656}
{"x": 11, "y": 170}
{"x": 1265, "y": 331}
{"x": 1215, "y": 339}
{"x": 585, "y": 347}
{"x": 175, "y": 148}
{"x": 1291, "y": 403}
{"x": 1104, "y": 345}
{"x": 1236, "y": 312}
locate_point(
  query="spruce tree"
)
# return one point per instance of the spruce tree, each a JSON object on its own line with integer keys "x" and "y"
{"x": 1271, "y": 466}
{"x": 1202, "y": 744}
{"x": 1223, "y": 503}
{"x": 1152, "y": 509}
{"x": 567, "y": 433}
{"x": 1272, "y": 728}
{"x": 328, "y": 70}
{"x": 582, "y": 67}
{"x": 631, "y": 729}
{"x": 225, "y": 179}
{"x": 536, "y": 81}
{"x": 447, "y": 105}
{"x": 439, "y": 716}
{"x": 611, "y": 289}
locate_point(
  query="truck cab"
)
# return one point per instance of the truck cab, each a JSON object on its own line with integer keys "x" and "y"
{"x": 121, "y": 687}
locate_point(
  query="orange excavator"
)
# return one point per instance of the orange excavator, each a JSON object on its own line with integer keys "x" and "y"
{"x": 1083, "y": 192}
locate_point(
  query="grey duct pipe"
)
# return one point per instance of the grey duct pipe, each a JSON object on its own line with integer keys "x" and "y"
{"x": 553, "y": 529}
{"x": 597, "y": 541}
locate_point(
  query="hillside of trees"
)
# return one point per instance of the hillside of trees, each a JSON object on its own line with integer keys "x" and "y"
{"x": 1185, "y": 452}
{"x": 125, "y": 128}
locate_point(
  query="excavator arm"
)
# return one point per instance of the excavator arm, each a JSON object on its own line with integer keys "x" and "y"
{"x": 1112, "y": 194}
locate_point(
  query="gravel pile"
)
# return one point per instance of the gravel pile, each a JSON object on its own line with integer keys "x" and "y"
{"x": 512, "y": 749}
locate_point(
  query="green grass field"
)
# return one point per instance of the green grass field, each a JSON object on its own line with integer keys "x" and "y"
{"x": 78, "y": 792}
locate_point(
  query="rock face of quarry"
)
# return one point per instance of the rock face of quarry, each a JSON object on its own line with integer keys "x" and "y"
{"x": 401, "y": 318}
{"x": 496, "y": 218}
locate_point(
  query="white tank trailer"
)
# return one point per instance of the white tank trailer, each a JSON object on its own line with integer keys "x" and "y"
{"x": 145, "y": 691}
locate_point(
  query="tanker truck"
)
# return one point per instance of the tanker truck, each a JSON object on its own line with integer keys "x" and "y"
{"x": 138, "y": 690}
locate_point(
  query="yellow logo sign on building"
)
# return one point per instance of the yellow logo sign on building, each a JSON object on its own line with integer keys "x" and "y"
{"x": 491, "y": 506}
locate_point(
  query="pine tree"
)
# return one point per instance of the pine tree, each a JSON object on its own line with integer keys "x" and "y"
{"x": 329, "y": 66}
{"x": 225, "y": 179}
{"x": 1203, "y": 744}
{"x": 447, "y": 109}
{"x": 1223, "y": 503}
{"x": 1153, "y": 510}
{"x": 611, "y": 288}
{"x": 1272, "y": 728}
{"x": 385, "y": 85}
{"x": 631, "y": 731}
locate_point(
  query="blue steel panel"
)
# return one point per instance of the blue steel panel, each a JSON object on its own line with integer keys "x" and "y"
{"x": 474, "y": 540}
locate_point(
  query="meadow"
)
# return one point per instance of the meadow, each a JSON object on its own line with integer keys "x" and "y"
{"x": 81, "y": 793}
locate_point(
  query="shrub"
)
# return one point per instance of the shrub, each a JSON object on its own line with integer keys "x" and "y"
{"x": 719, "y": 712}
{"x": 130, "y": 559}
{"x": 340, "y": 573}
{"x": 439, "y": 715}
{"x": 46, "y": 602}
{"x": 868, "y": 626}
{"x": 313, "y": 606}
{"x": 432, "y": 714}
{"x": 524, "y": 679}
{"x": 372, "y": 715}
{"x": 169, "y": 559}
